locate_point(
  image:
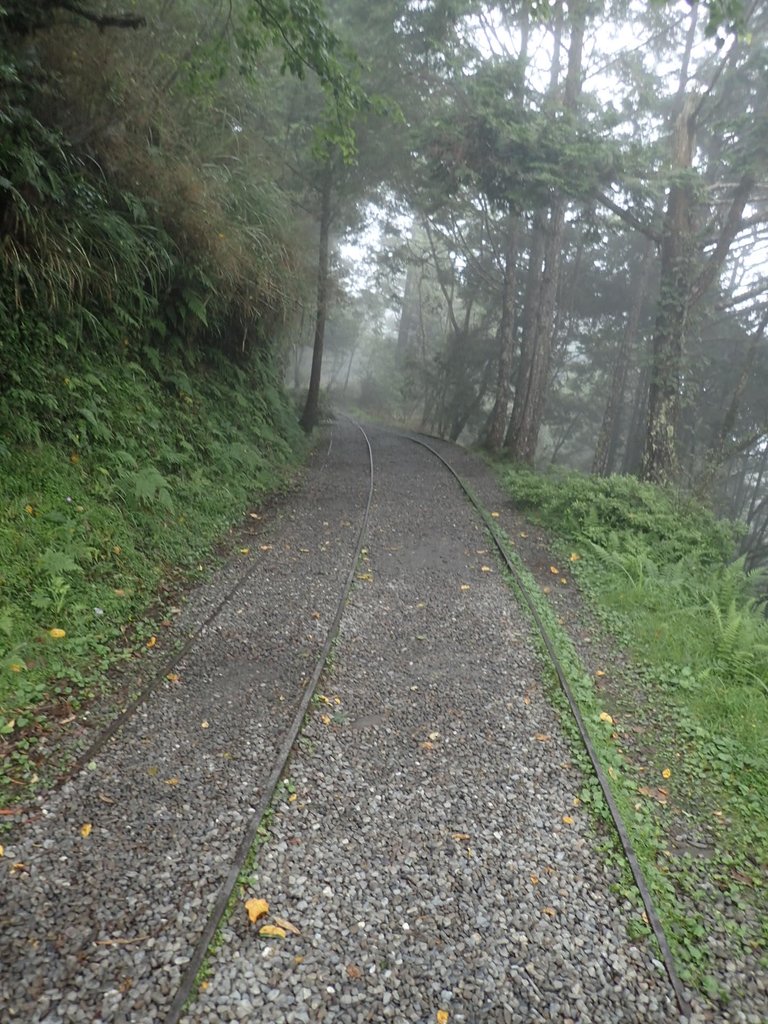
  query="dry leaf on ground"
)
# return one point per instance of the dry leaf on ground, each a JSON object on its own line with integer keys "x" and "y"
{"x": 287, "y": 926}
{"x": 256, "y": 909}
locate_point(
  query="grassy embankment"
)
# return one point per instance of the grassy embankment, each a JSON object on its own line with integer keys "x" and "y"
{"x": 688, "y": 725}
{"x": 146, "y": 473}
{"x": 151, "y": 267}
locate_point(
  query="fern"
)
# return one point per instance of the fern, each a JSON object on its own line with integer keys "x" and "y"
{"x": 150, "y": 487}
{"x": 55, "y": 563}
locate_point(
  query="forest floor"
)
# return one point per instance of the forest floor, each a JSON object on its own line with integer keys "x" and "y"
{"x": 434, "y": 851}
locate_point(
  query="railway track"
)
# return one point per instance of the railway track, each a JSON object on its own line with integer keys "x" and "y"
{"x": 193, "y": 957}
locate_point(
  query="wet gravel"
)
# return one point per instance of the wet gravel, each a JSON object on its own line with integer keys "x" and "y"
{"x": 434, "y": 856}
{"x": 106, "y": 885}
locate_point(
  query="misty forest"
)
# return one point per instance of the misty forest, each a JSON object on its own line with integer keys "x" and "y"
{"x": 536, "y": 229}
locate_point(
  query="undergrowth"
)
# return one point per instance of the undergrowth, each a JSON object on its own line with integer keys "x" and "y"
{"x": 113, "y": 477}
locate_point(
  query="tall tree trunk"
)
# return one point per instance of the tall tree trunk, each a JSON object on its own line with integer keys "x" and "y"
{"x": 610, "y": 429}
{"x": 659, "y": 455}
{"x": 633, "y": 448}
{"x": 497, "y": 420}
{"x": 312, "y": 407}
{"x": 523, "y": 447}
{"x": 531, "y": 300}
{"x": 408, "y": 314}
{"x": 718, "y": 453}
{"x": 529, "y": 406}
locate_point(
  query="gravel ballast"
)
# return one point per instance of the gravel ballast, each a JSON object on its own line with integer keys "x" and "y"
{"x": 428, "y": 855}
{"x": 434, "y": 855}
{"x": 108, "y": 882}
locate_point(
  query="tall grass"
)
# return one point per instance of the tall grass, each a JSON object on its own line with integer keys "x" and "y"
{"x": 660, "y": 567}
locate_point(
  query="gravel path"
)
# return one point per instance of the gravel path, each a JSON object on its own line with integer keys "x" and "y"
{"x": 106, "y": 886}
{"x": 434, "y": 856}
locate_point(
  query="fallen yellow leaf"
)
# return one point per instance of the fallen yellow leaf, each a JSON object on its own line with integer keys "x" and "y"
{"x": 244, "y": 551}
{"x": 550, "y": 911}
{"x": 523, "y": 534}
{"x": 292, "y": 798}
{"x": 74, "y": 458}
{"x": 459, "y": 836}
{"x": 563, "y": 580}
{"x": 576, "y": 801}
{"x": 485, "y": 568}
{"x": 442, "y": 1017}
{"x": 574, "y": 557}
{"x": 272, "y": 931}
{"x": 554, "y": 570}
{"x": 256, "y": 909}
{"x": 203, "y": 986}
{"x": 542, "y": 737}
{"x": 666, "y": 773}
{"x": 464, "y": 586}
{"x": 535, "y": 879}
{"x": 599, "y": 673}
{"x": 426, "y": 745}
{"x": 152, "y": 641}
{"x": 16, "y": 666}
{"x": 173, "y": 781}
{"x": 546, "y": 590}
{"x": 495, "y": 515}
{"x": 605, "y": 717}
{"x": 86, "y": 830}
{"x": 325, "y": 719}
{"x": 2, "y": 850}
{"x": 172, "y": 677}
{"x": 567, "y": 819}
{"x": 287, "y": 926}
{"x": 204, "y": 725}
{"x": 57, "y": 634}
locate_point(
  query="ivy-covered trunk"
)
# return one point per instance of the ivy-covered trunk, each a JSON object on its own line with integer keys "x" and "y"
{"x": 659, "y": 455}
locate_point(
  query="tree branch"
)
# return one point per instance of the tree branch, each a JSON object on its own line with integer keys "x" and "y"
{"x": 101, "y": 20}
{"x": 732, "y": 225}
{"x": 629, "y": 218}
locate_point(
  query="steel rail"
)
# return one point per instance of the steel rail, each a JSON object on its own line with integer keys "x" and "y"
{"x": 624, "y": 839}
{"x": 227, "y": 887}
{"x": 106, "y": 733}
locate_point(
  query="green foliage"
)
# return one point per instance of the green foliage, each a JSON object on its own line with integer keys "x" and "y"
{"x": 622, "y": 512}
{"x": 658, "y": 570}
{"x": 94, "y": 519}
